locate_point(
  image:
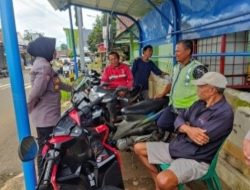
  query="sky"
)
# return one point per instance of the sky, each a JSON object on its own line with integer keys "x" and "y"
{"x": 40, "y": 16}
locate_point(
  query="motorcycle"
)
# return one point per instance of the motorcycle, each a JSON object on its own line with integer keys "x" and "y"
{"x": 77, "y": 156}
{"x": 137, "y": 118}
{"x": 139, "y": 124}
{"x": 130, "y": 97}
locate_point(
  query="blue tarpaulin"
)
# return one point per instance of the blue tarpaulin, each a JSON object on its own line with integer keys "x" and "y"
{"x": 197, "y": 19}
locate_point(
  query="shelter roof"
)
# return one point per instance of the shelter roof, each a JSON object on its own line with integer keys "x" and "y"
{"x": 134, "y": 8}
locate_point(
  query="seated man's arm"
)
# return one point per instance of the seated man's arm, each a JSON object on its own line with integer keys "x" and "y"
{"x": 155, "y": 69}
{"x": 217, "y": 127}
{"x": 196, "y": 134}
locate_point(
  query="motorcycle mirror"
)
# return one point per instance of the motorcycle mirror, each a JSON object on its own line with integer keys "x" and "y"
{"x": 28, "y": 149}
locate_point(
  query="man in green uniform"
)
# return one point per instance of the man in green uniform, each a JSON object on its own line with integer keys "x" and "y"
{"x": 182, "y": 92}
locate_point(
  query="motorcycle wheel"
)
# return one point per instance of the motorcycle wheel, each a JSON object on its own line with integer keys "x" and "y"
{"x": 45, "y": 187}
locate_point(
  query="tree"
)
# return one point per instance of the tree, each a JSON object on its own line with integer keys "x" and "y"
{"x": 29, "y": 36}
{"x": 63, "y": 46}
{"x": 95, "y": 37}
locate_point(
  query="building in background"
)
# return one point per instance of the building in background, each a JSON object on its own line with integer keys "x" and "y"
{"x": 126, "y": 40}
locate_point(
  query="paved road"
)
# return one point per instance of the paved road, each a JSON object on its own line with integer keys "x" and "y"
{"x": 10, "y": 164}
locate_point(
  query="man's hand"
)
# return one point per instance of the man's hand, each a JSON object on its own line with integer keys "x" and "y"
{"x": 246, "y": 151}
{"x": 196, "y": 134}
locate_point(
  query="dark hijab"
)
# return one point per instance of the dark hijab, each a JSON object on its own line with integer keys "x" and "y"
{"x": 42, "y": 47}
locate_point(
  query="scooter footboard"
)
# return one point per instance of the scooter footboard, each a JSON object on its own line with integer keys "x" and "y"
{"x": 110, "y": 175}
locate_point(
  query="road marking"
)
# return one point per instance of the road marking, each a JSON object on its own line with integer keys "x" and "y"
{"x": 6, "y": 86}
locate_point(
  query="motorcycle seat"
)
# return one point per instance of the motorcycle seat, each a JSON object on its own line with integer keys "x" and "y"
{"x": 145, "y": 107}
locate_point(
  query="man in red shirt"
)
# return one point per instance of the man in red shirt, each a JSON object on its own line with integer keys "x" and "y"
{"x": 116, "y": 74}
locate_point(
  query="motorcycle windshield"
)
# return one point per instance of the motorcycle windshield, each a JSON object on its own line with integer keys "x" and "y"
{"x": 64, "y": 126}
{"x": 98, "y": 92}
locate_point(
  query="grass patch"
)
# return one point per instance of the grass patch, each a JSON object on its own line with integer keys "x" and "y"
{"x": 65, "y": 96}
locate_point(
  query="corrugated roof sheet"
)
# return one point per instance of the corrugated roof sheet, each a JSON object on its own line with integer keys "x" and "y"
{"x": 134, "y": 8}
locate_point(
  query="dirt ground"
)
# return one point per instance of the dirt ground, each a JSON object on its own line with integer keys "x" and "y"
{"x": 135, "y": 176}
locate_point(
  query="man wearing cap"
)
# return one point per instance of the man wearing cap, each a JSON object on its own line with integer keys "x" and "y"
{"x": 201, "y": 130}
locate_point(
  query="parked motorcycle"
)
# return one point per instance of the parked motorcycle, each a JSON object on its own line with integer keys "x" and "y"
{"x": 139, "y": 124}
{"x": 77, "y": 156}
{"x": 131, "y": 96}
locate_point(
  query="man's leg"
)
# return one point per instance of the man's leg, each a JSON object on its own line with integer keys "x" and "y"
{"x": 182, "y": 171}
{"x": 166, "y": 119}
{"x": 167, "y": 180}
{"x": 141, "y": 151}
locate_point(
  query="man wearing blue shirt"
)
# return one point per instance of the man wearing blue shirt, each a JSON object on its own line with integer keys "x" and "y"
{"x": 201, "y": 130}
{"x": 141, "y": 69}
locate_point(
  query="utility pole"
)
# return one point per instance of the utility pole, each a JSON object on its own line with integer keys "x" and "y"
{"x": 107, "y": 37}
{"x": 79, "y": 21}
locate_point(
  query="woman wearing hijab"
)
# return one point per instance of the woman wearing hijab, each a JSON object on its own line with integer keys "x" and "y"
{"x": 44, "y": 99}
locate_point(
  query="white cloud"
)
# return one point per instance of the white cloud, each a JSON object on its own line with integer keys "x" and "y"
{"x": 39, "y": 16}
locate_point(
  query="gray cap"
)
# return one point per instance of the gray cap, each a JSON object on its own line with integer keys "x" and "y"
{"x": 212, "y": 78}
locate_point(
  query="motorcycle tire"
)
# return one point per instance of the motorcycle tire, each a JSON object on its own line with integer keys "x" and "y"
{"x": 109, "y": 188}
{"x": 80, "y": 183}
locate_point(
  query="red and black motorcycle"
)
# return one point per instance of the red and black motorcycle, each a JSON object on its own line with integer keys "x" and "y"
{"x": 77, "y": 155}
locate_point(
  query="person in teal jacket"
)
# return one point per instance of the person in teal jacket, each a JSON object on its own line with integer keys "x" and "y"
{"x": 182, "y": 92}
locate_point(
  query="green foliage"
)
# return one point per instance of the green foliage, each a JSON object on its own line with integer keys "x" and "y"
{"x": 95, "y": 37}
{"x": 63, "y": 47}
{"x": 29, "y": 36}
{"x": 70, "y": 53}
{"x": 65, "y": 96}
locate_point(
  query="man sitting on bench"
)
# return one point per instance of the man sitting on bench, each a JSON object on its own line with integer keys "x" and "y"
{"x": 201, "y": 130}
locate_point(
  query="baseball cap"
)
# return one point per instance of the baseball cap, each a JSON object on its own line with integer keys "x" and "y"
{"x": 212, "y": 78}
